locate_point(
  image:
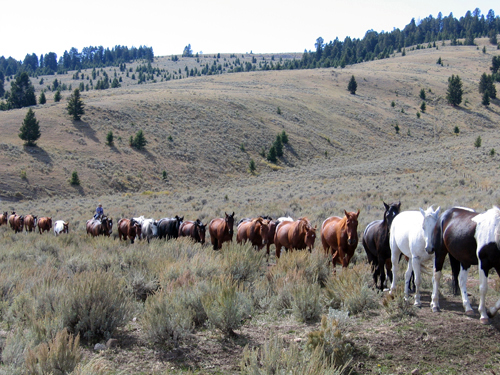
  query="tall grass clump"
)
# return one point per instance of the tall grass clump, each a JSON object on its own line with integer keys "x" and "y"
{"x": 349, "y": 290}
{"x": 276, "y": 357}
{"x": 58, "y": 357}
{"x": 306, "y": 304}
{"x": 226, "y": 304}
{"x": 96, "y": 304}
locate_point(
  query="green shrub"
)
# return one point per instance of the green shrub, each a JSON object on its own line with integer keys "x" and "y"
{"x": 226, "y": 304}
{"x": 95, "y": 305}
{"x": 330, "y": 338}
{"x": 306, "y": 304}
{"x": 242, "y": 262}
{"x": 165, "y": 320}
{"x": 349, "y": 290}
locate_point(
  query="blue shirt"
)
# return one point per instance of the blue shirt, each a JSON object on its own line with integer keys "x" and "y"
{"x": 99, "y": 211}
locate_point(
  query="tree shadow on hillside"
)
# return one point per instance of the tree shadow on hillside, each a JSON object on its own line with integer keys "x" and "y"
{"x": 147, "y": 154}
{"x": 484, "y": 117}
{"x": 114, "y": 149}
{"x": 86, "y": 129}
{"x": 39, "y": 154}
{"x": 79, "y": 189}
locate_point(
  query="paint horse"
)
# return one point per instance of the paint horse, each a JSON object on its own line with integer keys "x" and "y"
{"x": 339, "y": 237}
{"x": 407, "y": 237}
{"x": 376, "y": 244}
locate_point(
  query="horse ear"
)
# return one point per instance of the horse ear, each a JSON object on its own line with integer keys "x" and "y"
{"x": 437, "y": 211}
{"x": 357, "y": 213}
{"x": 385, "y": 205}
{"x": 345, "y": 212}
{"x": 232, "y": 214}
{"x": 422, "y": 211}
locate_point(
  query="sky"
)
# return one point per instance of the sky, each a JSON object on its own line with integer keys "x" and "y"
{"x": 209, "y": 26}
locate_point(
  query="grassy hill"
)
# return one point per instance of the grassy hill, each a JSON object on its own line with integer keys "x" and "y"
{"x": 203, "y": 131}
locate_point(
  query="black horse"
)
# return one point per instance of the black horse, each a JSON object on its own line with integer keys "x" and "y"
{"x": 169, "y": 227}
{"x": 376, "y": 244}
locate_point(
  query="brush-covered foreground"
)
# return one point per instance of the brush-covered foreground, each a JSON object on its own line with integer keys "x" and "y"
{"x": 179, "y": 307}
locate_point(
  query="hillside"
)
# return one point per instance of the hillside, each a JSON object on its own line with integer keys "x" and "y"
{"x": 196, "y": 128}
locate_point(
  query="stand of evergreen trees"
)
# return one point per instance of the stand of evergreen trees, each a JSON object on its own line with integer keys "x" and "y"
{"x": 89, "y": 57}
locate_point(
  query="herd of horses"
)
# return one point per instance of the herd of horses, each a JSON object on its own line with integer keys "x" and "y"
{"x": 422, "y": 237}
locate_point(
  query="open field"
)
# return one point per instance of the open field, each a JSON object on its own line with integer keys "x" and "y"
{"x": 343, "y": 153}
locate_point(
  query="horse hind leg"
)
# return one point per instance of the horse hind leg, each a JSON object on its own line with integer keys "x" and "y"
{"x": 462, "y": 282}
{"x": 415, "y": 264}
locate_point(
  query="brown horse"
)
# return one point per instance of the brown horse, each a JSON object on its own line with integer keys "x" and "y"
{"x": 128, "y": 228}
{"x": 298, "y": 234}
{"x": 16, "y": 222}
{"x": 3, "y": 218}
{"x": 30, "y": 223}
{"x": 221, "y": 230}
{"x": 255, "y": 230}
{"x": 44, "y": 224}
{"x": 339, "y": 237}
{"x": 194, "y": 229}
{"x": 96, "y": 227}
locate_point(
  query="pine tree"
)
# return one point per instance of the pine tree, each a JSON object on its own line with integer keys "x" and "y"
{"x": 284, "y": 137}
{"x": 42, "y": 99}
{"x": 271, "y": 155}
{"x": 2, "y": 81}
{"x": 252, "y": 166}
{"x": 57, "y": 96}
{"x": 422, "y": 94}
{"x": 454, "y": 93}
{"x": 30, "y": 130}
{"x": 486, "y": 84}
{"x": 75, "y": 180}
{"x": 486, "y": 99}
{"x": 278, "y": 146}
{"x": 139, "y": 141}
{"x": 352, "y": 86}
{"x": 22, "y": 92}
{"x": 109, "y": 138}
{"x": 423, "y": 107}
{"x": 75, "y": 105}
{"x": 477, "y": 142}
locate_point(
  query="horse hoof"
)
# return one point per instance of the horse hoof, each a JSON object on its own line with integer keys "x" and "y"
{"x": 485, "y": 321}
{"x": 419, "y": 305}
{"x": 386, "y": 290}
{"x": 436, "y": 309}
{"x": 469, "y": 312}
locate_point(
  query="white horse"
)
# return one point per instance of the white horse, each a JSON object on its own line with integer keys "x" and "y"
{"x": 488, "y": 254}
{"x": 407, "y": 237}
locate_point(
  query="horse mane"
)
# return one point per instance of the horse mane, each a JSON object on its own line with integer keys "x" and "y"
{"x": 304, "y": 223}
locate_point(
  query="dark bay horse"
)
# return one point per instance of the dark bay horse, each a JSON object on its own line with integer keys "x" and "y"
{"x": 253, "y": 230}
{"x": 453, "y": 234}
{"x": 376, "y": 244}
{"x": 96, "y": 227}
{"x": 221, "y": 230}
{"x": 298, "y": 234}
{"x": 339, "y": 237}
{"x": 194, "y": 229}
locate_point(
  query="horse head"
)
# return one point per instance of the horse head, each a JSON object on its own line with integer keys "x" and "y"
{"x": 352, "y": 227}
{"x": 310, "y": 237}
{"x": 431, "y": 219}
{"x": 390, "y": 212}
{"x": 264, "y": 230}
{"x": 201, "y": 230}
{"x": 229, "y": 219}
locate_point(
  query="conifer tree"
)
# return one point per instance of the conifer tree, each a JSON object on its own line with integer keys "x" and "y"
{"x": 75, "y": 105}
{"x": 30, "y": 130}
{"x": 271, "y": 155}
{"x": 42, "y": 99}
{"x": 57, "y": 96}
{"x": 22, "y": 92}
{"x": 352, "y": 86}
{"x": 139, "y": 141}
{"x": 454, "y": 93}
{"x": 110, "y": 138}
{"x": 75, "y": 180}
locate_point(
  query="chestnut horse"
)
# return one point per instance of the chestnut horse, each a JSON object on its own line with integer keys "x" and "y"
{"x": 44, "y": 224}
{"x": 297, "y": 234}
{"x": 129, "y": 228}
{"x": 194, "y": 229}
{"x": 30, "y": 223}
{"x": 339, "y": 237}
{"x": 3, "y": 218}
{"x": 376, "y": 244}
{"x": 255, "y": 230}
{"x": 16, "y": 222}
{"x": 221, "y": 230}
